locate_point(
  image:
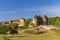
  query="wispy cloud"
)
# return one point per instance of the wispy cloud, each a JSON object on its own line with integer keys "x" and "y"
{"x": 50, "y": 11}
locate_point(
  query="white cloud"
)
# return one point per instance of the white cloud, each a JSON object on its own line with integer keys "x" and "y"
{"x": 50, "y": 10}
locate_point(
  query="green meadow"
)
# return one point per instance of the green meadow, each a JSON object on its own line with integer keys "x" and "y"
{"x": 50, "y": 35}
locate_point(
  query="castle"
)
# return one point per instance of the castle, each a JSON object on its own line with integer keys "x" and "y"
{"x": 39, "y": 20}
{"x": 36, "y": 21}
{"x": 21, "y": 21}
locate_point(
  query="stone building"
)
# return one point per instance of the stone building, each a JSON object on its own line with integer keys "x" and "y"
{"x": 21, "y": 21}
{"x": 38, "y": 20}
{"x": 45, "y": 20}
{"x": 6, "y": 23}
{"x": 14, "y": 21}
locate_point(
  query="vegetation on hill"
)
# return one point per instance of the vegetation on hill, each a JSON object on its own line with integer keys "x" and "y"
{"x": 54, "y": 21}
{"x": 5, "y": 28}
{"x": 26, "y": 24}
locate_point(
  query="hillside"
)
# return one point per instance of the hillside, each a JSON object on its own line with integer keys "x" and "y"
{"x": 50, "y": 35}
{"x": 54, "y": 20}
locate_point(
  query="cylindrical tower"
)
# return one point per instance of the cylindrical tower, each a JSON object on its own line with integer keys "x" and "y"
{"x": 45, "y": 20}
{"x": 22, "y": 21}
{"x": 35, "y": 20}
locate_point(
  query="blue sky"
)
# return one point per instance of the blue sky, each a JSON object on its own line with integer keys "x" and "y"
{"x": 15, "y": 9}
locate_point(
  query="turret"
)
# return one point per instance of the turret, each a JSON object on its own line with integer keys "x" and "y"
{"x": 45, "y": 20}
{"x": 22, "y": 21}
{"x": 34, "y": 21}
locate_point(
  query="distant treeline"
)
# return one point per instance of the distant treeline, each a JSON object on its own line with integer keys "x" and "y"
{"x": 54, "y": 20}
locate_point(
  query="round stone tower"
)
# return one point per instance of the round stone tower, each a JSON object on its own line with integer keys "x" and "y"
{"x": 22, "y": 21}
{"x": 45, "y": 20}
{"x": 35, "y": 20}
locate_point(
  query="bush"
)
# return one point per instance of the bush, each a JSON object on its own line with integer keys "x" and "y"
{"x": 26, "y": 24}
{"x": 13, "y": 31}
{"x": 3, "y": 29}
{"x": 13, "y": 25}
{"x": 21, "y": 28}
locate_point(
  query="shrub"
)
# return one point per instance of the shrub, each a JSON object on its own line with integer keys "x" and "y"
{"x": 26, "y": 24}
{"x": 13, "y": 31}
{"x": 13, "y": 25}
{"x": 3, "y": 29}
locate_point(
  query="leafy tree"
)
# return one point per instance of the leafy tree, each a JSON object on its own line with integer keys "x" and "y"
{"x": 13, "y": 31}
{"x": 3, "y": 29}
{"x": 54, "y": 20}
{"x": 13, "y": 25}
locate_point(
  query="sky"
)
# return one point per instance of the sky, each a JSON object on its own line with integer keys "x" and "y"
{"x": 15, "y": 9}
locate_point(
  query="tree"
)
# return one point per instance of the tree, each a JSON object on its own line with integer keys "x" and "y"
{"x": 13, "y": 25}
{"x": 13, "y": 28}
{"x": 26, "y": 24}
{"x": 4, "y": 29}
{"x": 54, "y": 20}
{"x": 13, "y": 31}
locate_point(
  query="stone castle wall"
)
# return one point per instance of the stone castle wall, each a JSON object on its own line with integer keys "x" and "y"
{"x": 22, "y": 21}
{"x": 38, "y": 20}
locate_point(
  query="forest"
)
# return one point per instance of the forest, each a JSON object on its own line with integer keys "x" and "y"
{"x": 54, "y": 20}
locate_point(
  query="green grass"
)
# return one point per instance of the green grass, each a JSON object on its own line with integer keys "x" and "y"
{"x": 51, "y": 35}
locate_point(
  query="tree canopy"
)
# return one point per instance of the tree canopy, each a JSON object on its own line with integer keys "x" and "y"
{"x": 54, "y": 20}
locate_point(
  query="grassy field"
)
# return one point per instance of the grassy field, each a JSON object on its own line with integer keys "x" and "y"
{"x": 51, "y": 35}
